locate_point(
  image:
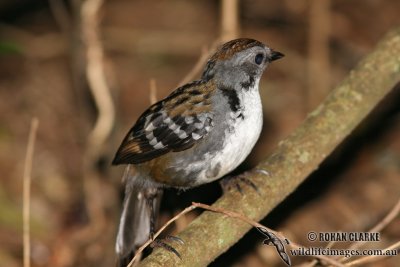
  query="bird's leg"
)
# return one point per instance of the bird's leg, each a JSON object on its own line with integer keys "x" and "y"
{"x": 153, "y": 200}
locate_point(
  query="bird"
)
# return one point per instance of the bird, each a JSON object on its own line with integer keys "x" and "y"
{"x": 199, "y": 133}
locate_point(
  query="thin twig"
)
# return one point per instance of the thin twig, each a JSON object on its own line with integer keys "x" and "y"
{"x": 387, "y": 219}
{"x": 27, "y": 191}
{"x": 229, "y": 19}
{"x": 140, "y": 250}
{"x": 379, "y": 226}
{"x": 96, "y": 76}
{"x": 278, "y": 234}
{"x": 369, "y": 259}
{"x": 258, "y": 225}
{"x": 230, "y": 214}
{"x": 153, "y": 91}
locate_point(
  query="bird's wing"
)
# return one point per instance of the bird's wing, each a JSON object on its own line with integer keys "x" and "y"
{"x": 173, "y": 124}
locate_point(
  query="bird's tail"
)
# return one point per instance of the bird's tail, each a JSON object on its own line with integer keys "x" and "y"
{"x": 139, "y": 213}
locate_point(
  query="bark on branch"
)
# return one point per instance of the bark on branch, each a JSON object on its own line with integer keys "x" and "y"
{"x": 293, "y": 160}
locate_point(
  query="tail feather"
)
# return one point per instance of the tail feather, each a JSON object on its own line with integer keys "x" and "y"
{"x": 136, "y": 218}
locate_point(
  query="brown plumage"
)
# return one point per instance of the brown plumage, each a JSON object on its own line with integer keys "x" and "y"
{"x": 169, "y": 125}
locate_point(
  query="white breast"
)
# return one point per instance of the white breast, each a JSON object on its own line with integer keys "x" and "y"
{"x": 241, "y": 138}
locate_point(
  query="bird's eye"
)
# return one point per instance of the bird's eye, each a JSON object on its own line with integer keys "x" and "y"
{"x": 259, "y": 59}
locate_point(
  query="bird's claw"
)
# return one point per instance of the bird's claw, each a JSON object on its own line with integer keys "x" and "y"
{"x": 230, "y": 182}
{"x": 160, "y": 243}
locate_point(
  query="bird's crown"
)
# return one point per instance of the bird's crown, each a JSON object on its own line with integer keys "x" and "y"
{"x": 230, "y": 48}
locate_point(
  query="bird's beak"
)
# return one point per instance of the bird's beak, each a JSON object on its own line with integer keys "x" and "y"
{"x": 275, "y": 55}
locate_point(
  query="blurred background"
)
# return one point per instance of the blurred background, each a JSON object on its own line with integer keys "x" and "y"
{"x": 88, "y": 69}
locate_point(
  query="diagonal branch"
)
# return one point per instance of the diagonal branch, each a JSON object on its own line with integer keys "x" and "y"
{"x": 293, "y": 160}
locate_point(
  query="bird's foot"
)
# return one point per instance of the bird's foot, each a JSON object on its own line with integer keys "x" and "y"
{"x": 161, "y": 243}
{"x": 236, "y": 182}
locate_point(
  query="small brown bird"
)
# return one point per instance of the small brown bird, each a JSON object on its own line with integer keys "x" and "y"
{"x": 199, "y": 133}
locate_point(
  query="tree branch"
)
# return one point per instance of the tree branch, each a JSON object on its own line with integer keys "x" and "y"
{"x": 292, "y": 161}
